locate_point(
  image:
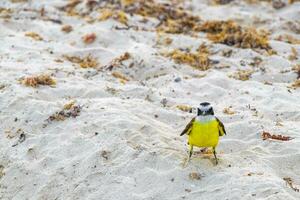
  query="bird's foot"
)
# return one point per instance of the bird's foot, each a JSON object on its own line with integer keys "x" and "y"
{"x": 185, "y": 162}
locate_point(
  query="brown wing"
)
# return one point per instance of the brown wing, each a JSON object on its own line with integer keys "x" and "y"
{"x": 221, "y": 128}
{"x": 188, "y": 127}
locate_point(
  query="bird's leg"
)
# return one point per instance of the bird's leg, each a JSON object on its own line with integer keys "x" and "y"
{"x": 189, "y": 156}
{"x": 215, "y": 154}
{"x": 191, "y": 151}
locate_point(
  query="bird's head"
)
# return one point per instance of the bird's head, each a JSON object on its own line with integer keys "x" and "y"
{"x": 205, "y": 109}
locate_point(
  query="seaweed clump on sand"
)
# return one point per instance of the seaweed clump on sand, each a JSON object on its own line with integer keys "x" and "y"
{"x": 199, "y": 60}
{"x": 288, "y": 38}
{"x": 117, "y": 15}
{"x": 85, "y": 62}
{"x": 123, "y": 79}
{"x": 69, "y": 8}
{"x": 242, "y": 75}
{"x": 232, "y": 34}
{"x": 184, "y": 108}
{"x": 172, "y": 19}
{"x": 295, "y": 84}
{"x": 5, "y": 13}
{"x": 35, "y": 81}
{"x": 34, "y": 36}
{"x": 69, "y": 110}
{"x": 89, "y": 38}
{"x": 266, "y": 135}
{"x": 296, "y": 69}
{"x": 222, "y": 2}
{"x": 290, "y": 182}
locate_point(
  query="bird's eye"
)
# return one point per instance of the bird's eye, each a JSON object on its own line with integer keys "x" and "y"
{"x": 199, "y": 112}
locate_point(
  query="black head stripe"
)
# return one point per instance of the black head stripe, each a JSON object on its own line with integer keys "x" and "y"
{"x": 199, "y": 112}
{"x": 204, "y": 104}
{"x": 211, "y": 111}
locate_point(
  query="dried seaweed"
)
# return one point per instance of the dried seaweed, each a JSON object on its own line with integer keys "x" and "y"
{"x": 89, "y": 38}
{"x": 21, "y": 139}
{"x": 111, "y": 90}
{"x": 161, "y": 40}
{"x": 295, "y": 84}
{"x": 228, "y": 111}
{"x": 34, "y": 36}
{"x": 266, "y": 135}
{"x": 69, "y": 110}
{"x": 35, "y": 81}
{"x": 117, "y": 15}
{"x": 296, "y": 68}
{"x": 105, "y": 154}
{"x": 67, "y": 28}
{"x": 199, "y": 60}
{"x": 254, "y": 173}
{"x": 278, "y": 4}
{"x": 120, "y": 76}
{"x": 69, "y": 7}
{"x": 18, "y": 1}
{"x": 232, "y": 34}
{"x": 242, "y": 75}
{"x": 2, "y": 86}
{"x": 288, "y": 38}
{"x": 289, "y": 181}
{"x": 167, "y": 41}
{"x": 222, "y": 2}
{"x": 294, "y": 54}
{"x": 69, "y": 105}
{"x": 85, "y": 62}
{"x": 293, "y": 1}
{"x": 195, "y": 176}
{"x": 118, "y": 61}
{"x": 171, "y": 19}
{"x": 5, "y": 12}
{"x": 2, "y": 173}
{"x": 184, "y": 108}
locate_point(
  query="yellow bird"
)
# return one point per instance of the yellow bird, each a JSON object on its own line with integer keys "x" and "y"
{"x": 204, "y": 129}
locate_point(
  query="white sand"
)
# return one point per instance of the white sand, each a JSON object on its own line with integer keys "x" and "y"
{"x": 135, "y": 154}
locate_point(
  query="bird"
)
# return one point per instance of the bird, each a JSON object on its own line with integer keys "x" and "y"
{"x": 204, "y": 130}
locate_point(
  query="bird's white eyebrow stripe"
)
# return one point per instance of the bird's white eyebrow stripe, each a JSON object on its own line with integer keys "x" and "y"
{"x": 205, "y": 108}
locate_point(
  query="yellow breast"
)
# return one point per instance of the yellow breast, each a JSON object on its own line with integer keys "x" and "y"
{"x": 204, "y": 134}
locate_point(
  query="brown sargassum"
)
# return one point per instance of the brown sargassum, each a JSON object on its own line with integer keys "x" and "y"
{"x": 84, "y": 62}
{"x": 266, "y": 135}
{"x": 35, "y": 81}
{"x": 199, "y": 59}
{"x": 230, "y": 33}
{"x": 69, "y": 110}
{"x": 176, "y": 20}
{"x": 172, "y": 19}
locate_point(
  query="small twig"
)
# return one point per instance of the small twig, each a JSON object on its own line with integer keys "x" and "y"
{"x": 127, "y": 27}
{"x": 266, "y": 135}
{"x": 289, "y": 181}
{"x": 21, "y": 139}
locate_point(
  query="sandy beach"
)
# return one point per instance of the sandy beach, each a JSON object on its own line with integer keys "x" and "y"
{"x": 94, "y": 95}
